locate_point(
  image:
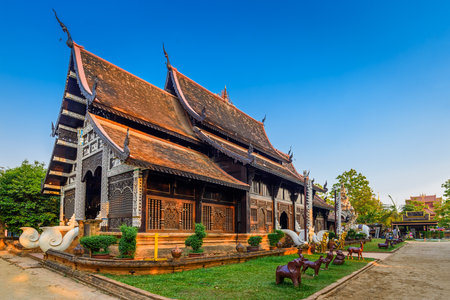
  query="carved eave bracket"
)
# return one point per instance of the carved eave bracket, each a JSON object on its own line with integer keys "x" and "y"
{"x": 69, "y": 41}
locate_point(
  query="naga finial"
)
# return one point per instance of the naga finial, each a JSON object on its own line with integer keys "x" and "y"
{"x": 264, "y": 119}
{"x": 126, "y": 142}
{"x": 69, "y": 41}
{"x": 169, "y": 66}
{"x": 94, "y": 93}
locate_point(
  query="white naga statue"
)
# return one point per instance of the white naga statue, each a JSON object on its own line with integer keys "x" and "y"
{"x": 51, "y": 237}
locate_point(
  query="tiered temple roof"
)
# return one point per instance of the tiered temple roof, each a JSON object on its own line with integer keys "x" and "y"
{"x": 185, "y": 113}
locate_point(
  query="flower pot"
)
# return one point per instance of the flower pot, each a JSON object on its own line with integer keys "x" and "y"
{"x": 252, "y": 248}
{"x": 240, "y": 248}
{"x": 196, "y": 254}
{"x": 176, "y": 252}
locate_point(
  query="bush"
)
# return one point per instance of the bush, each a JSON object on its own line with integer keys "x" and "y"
{"x": 441, "y": 234}
{"x": 127, "y": 243}
{"x": 351, "y": 234}
{"x": 360, "y": 235}
{"x": 195, "y": 241}
{"x": 97, "y": 242}
{"x": 273, "y": 239}
{"x": 331, "y": 235}
{"x": 254, "y": 240}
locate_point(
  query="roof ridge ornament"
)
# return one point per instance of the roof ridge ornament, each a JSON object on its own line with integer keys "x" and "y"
{"x": 53, "y": 130}
{"x": 291, "y": 155}
{"x": 126, "y": 142}
{"x": 91, "y": 99}
{"x": 264, "y": 119}
{"x": 69, "y": 41}
{"x": 250, "y": 153}
{"x": 169, "y": 66}
{"x": 203, "y": 114}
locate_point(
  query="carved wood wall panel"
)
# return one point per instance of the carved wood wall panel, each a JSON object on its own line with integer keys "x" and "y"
{"x": 91, "y": 163}
{"x": 120, "y": 195}
{"x": 218, "y": 218}
{"x": 262, "y": 215}
{"x": 69, "y": 203}
{"x": 68, "y": 136}
{"x": 169, "y": 214}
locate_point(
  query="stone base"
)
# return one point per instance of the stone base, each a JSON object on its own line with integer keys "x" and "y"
{"x": 213, "y": 244}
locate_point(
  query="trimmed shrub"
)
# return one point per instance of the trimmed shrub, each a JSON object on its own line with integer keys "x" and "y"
{"x": 127, "y": 243}
{"x": 254, "y": 240}
{"x": 96, "y": 243}
{"x": 195, "y": 241}
{"x": 275, "y": 237}
{"x": 351, "y": 234}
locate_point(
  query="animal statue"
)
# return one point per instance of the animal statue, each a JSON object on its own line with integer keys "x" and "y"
{"x": 323, "y": 243}
{"x": 357, "y": 250}
{"x": 339, "y": 259}
{"x": 300, "y": 255}
{"x": 315, "y": 265}
{"x": 384, "y": 245}
{"x": 292, "y": 270}
{"x": 361, "y": 228}
{"x": 341, "y": 241}
{"x": 329, "y": 258}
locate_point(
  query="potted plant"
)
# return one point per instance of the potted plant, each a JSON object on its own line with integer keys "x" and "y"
{"x": 127, "y": 243}
{"x": 98, "y": 245}
{"x": 254, "y": 242}
{"x": 195, "y": 241}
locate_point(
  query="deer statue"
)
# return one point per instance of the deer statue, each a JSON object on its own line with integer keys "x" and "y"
{"x": 292, "y": 270}
{"x": 329, "y": 258}
{"x": 357, "y": 250}
{"x": 315, "y": 265}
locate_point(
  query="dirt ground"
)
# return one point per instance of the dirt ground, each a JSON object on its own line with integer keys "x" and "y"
{"x": 419, "y": 270}
{"x": 24, "y": 278}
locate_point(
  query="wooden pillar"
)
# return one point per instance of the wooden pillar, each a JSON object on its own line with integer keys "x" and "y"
{"x": 245, "y": 204}
{"x": 199, "y": 192}
{"x": 144, "y": 201}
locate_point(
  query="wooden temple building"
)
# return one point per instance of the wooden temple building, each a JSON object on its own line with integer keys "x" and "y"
{"x": 128, "y": 152}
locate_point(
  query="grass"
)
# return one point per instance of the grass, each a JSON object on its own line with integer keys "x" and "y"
{"x": 254, "y": 279}
{"x": 373, "y": 246}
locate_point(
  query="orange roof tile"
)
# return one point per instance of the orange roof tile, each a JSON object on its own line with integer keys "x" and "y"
{"x": 161, "y": 155}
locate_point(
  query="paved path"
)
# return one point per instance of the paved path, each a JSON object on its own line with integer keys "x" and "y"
{"x": 417, "y": 271}
{"x": 24, "y": 278}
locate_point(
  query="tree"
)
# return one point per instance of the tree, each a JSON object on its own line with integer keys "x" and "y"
{"x": 443, "y": 209}
{"x": 358, "y": 191}
{"x": 446, "y": 186}
{"x": 21, "y": 201}
{"x": 413, "y": 205}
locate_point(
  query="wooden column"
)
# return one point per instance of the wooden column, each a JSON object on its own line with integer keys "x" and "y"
{"x": 200, "y": 190}
{"x": 144, "y": 201}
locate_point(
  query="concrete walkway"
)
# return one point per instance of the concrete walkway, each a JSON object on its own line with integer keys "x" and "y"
{"x": 24, "y": 278}
{"x": 419, "y": 270}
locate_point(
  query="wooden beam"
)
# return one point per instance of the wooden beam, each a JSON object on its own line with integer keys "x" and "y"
{"x": 63, "y": 160}
{"x": 51, "y": 186}
{"x": 72, "y": 114}
{"x": 75, "y": 98}
{"x": 67, "y": 144}
{"x": 58, "y": 173}
{"x": 51, "y": 192}
{"x": 67, "y": 128}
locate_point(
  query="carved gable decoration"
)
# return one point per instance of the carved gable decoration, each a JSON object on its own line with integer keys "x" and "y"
{"x": 91, "y": 164}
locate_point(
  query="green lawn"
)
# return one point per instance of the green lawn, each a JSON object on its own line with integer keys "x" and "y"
{"x": 254, "y": 279}
{"x": 373, "y": 246}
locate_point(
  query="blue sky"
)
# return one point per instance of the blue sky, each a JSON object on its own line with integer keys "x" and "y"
{"x": 349, "y": 84}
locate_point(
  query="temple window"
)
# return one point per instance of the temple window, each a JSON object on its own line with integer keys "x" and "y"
{"x": 207, "y": 216}
{"x": 154, "y": 214}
